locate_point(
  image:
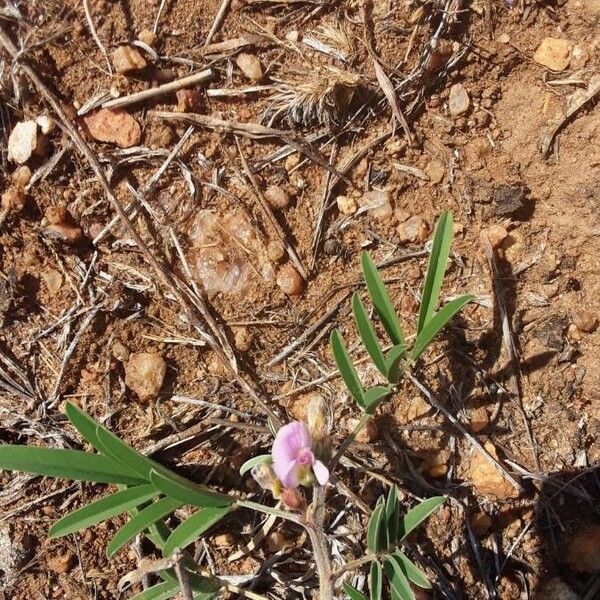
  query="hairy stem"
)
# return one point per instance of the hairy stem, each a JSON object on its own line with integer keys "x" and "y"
{"x": 316, "y": 533}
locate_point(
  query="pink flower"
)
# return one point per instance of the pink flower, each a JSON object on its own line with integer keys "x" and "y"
{"x": 293, "y": 459}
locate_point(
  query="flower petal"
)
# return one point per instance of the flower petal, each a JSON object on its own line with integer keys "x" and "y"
{"x": 321, "y": 472}
{"x": 290, "y": 439}
{"x": 287, "y": 473}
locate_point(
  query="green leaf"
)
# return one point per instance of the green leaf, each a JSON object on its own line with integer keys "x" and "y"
{"x": 381, "y": 300}
{"x": 188, "y": 492}
{"x": 392, "y": 515}
{"x": 393, "y": 361}
{"x": 398, "y": 579}
{"x": 436, "y": 268}
{"x": 367, "y": 333}
{"x": 374, "y": 529}
{"x": 192, "y": 528}
{"x": 140, "y": 522}
{"x": 103, "y": 509}
{"x": 84, "y": 424}
{"x": 120, "y": 451}
{"x": 161, "y": 591}
{"x": 352, "y": 592}
{"x": 375, "y": 581}
{"x": 346, "y": 368}
{"x": 415, "y": 516}
{"x": 253, "y": 462}
{"x": 374, "y": 396}
{"x": 436, "y": 323}
{"x": 412, "y": 572}
{"x": 66, "y": 464}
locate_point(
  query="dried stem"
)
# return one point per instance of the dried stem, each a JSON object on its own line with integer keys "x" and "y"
{"x": 316, "y": 533}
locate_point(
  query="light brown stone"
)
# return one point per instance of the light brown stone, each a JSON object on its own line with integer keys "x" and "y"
{"x": 554, "y": 53}
{"x": 290, "y": 281}
{"x": 250, "y": 66}
{"x": 145, "y": 373}
{"x": 113, "y": 127}
{"x": 486, "y": 478}
{"x": 126, "y": 59}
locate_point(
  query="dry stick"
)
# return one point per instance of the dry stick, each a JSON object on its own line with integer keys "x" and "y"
{"x": 225, "y": 355}
{"x": 161, "y": 90}
{"x": 219, "y": 18}
{"x": 474, "y": 442}
{"x": 254, "y": 131}
{"x": 88, "y": 16}
{"x": 266, "y": 209}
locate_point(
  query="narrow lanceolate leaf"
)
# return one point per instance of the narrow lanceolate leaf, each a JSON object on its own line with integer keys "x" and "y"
{"x": 376, "y": 580}
{"x": 67, "y": 464}
{"x": 394, "y": 361}
{"x": 103, "y": 509}
{"x": 188, "y": 492}
{"x": 367, "y": 333}
{"x": 381, "y": 300}
{"x": 398, "y": 580}
{"x": 140, "y": 522}
{"x": 436, "y": 268}
{"x": 352, "y": 592}
{"x": 192, "y": 528}
{"x": 84, "y": 424}
{"x": 374, "y": 396}
{"x": 346, "y": 368}
{"x": 412, "y": 572}
{"x": 161, "y": 591}
{"x": 392, "y": 515}
{"x": 118, "y": 450}
{"x": 374, "y": 529}
{"x": 254, "y": 462}
{"x": 415, "y": 516}
{"x": 437, "y": 323}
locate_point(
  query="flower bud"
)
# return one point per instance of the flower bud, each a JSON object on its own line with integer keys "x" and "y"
{"x": 293, "y": 498}
{"x": 320, "y": 419}
{"x": 264, "y": 475}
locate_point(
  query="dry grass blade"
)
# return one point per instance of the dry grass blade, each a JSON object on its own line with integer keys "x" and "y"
{"x": 389, "y": 92}
{"x": 90, "y": 21}
{"x": 161, "y": 90}
{"x": 254, "y": 131}
{"x": 219, "y": 18}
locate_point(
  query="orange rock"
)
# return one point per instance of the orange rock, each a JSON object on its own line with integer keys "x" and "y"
{"x": 554, "y": 53}
{"x": 188, "y": 100}
{"x": 113, "y": 127}
{"x": 479, "y": 419}
{"x": 486, "y": 479}
{"x": 289, "y": 280}
{"x": 144, "y": 374}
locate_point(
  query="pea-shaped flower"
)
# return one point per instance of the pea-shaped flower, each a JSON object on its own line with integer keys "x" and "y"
{"x": 294, "y": 461}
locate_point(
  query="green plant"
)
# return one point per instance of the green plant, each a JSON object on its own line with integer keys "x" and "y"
{"x": 149, "y": 493}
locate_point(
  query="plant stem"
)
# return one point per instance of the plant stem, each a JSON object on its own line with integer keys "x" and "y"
{"x": 352, "y": 565}
{"x": 269, "y": 510}
{"x": 316, "y": 533}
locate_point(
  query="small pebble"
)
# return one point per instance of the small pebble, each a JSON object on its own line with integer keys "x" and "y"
{"x": 378, "y": 204}
{"x": 275, "y": 251}
{"x": 147, "y": 36}
{"x": 145, "y": 373}
{"x": 23, "y": 142}
{"x": 277, "y": 197}
{"x": 13, "y": 199}
{"x": 224, "y": 540}
{"x": 250, "y": 66}
{"x": 479, "y": 419}
{"x": 113, "y": 127}
{"x": 480, "y": 523}
{"x": 120, "y": 351}
{"x": 292, "y": 36}
{"x": 243, "y": 339}
{"x": 585, "y": 321}
{"x": 367, "y": 434}
{"x": 290, "y": 281}
{"x": 126, "y": 59}
{"x": 46, "y": 123}
{"x": 188, "y": 100}
{"x": 496, "y": 234}
{"x": 346, "y": 205}
{"x": 415, "y": 229}
{"x": 21, "y": 176}
{"x": 53, "y": 279}
{"x": 435, "y": 170}
{"x": 554, "y": 53}
{"x": 61, "y": 563}
{"x": 458, "y": 101}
